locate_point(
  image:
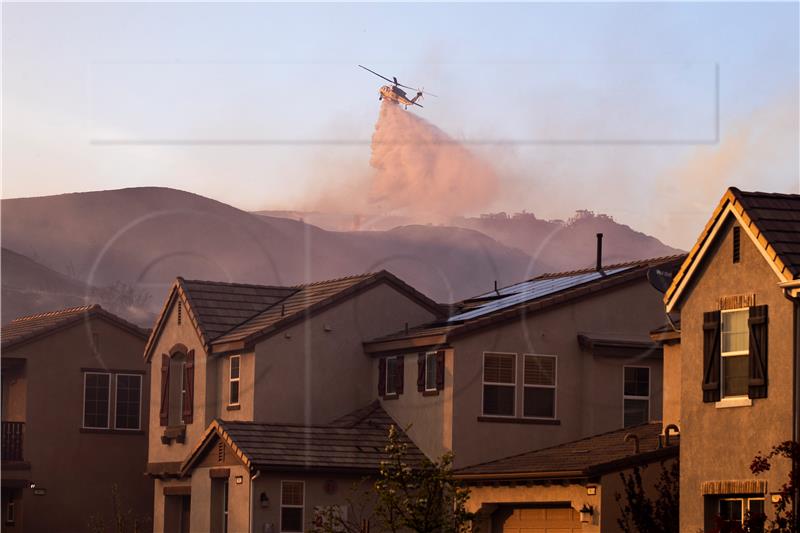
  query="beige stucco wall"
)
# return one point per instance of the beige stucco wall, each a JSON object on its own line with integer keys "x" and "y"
{"x": 15, "y": 388}
{"x": 78, "y": 468}
{"x": 427, "y": 419}
{"x": 589, "y": 392}
{"x": 672, "y": 384}
{"x": 575, "y": 494}
{"x": 316, "y": 370}
{"x": 736, "y": 434}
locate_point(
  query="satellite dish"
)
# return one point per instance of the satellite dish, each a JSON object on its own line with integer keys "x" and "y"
{"x": 660, "y": 279}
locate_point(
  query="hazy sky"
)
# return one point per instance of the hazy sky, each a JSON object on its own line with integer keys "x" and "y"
{"x": 642, "y": 111}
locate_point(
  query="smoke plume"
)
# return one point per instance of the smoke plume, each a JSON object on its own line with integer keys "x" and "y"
{"x": 422, "y": 172}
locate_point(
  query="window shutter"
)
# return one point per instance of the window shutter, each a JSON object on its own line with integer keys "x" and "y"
{"x": 440, "y": 370}
{"x": 163, "y": 415}
{"x": 421, "y": 372}
{"x": 188, "y": 404}
{"x": 381, "y": 376}
{"x": 711, "y": 356}
{"x": 758, "y": 352}
{"x": 400, "y": 374}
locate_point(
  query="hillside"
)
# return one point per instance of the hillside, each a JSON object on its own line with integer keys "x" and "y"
{"x": 142, "y": 238}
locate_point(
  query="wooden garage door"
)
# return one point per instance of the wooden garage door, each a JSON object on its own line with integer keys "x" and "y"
{"x": 543, "y": 520}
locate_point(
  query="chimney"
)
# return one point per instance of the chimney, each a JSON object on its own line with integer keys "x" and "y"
{"x": 599, "y": 266}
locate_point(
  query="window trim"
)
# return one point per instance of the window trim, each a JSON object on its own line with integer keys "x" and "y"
{"x": 723, "y": 355}
{"x": 386, "y": 384}
{"x": 237, "y": 380}
{"x": 484, "y": 383}
{"x": 83, "y": 410}
{"x": 116, "y": 396}
{"x": 303, "y": 506}
{"x": 632, "y": 397}
{"x": 554, "y": 387}
{"x": 745, "y": 504}
{"x": 428, "y": 357}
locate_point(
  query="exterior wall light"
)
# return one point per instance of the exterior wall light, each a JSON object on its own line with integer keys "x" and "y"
{"x": 264, "y": 500}
{"x": 586, "y": 513}
{"x": 591, "y": 491}
{"x": 239, "y": 480}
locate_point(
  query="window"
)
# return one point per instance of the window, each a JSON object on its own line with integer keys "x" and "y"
{"x": 499, "y": 384}
{"x": 735, "y": 351}
{"x": 128, "y": 401}
{"x": 392, "y": 368}
{"x": 233, "y": 396}
{"x": 430, "y": 371}
{"x": 734, "y": 510}
{"x": 96, "y": 404}
{"x": 177, "y": 389}
{"x": 292, "y": 499}
{"x": 539, "y": 386}
{"x": 636, "y": 396}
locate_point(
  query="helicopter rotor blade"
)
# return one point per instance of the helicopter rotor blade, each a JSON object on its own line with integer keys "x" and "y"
{"x": 379, "y": 75}
{"x": 427, "y": 94}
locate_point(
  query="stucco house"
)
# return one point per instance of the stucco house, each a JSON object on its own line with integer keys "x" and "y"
{"x": 243, "y": 374}
{"x": 74, "y": 391}
{"x": 539, "y": 363}
{"x": 731, "y": 356}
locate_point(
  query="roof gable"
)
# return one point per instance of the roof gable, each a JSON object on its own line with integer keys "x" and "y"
{"x": 771, "y": 221}
{"x": 352, "y": 443}
{"x": 32, "y": 327}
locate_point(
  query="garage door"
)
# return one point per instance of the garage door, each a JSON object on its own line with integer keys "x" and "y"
{"x": 543, "y": 520}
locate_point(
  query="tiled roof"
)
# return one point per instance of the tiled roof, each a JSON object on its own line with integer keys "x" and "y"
{"x": 301, "y": 298}
{"x": 32, "y": 326}
{"x": 353, "y": 443}
{"x": 230, "y": 314}
{"x": 219, "y": 307}
{"x": 579, "y": 458}
{"x": 483, "y": 310}
{"x": 772, "y": 219}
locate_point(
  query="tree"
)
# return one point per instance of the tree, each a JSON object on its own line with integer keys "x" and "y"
{"x": 125, "y": 521}
{"x": 640, "y": 513}
{"x": 423, "y": 497}
{"x": 786, "y": 517}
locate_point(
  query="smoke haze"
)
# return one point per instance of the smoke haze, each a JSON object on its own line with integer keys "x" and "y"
{"x": 422, "y": 172}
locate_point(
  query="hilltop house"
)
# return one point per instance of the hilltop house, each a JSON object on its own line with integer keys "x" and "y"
{"x": 536, "y": 364}
{"x": 731, "y": 361}
{"x": 73, "y": 383}
{"x": 252, "y": 387}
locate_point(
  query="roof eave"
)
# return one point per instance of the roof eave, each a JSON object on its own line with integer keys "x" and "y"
{"x": 514, "y": 476}
{"x": 407, "y": 343}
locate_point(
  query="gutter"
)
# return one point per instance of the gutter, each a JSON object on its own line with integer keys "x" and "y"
{"x": 522, "y": 475}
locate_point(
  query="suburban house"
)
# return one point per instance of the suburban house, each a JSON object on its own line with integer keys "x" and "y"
{"x": 569, "y": 487}
{"x": 74, "y": 426}
{"x": 731, "y": 355}
{"x": 263, "y": 402}
{"x": 539, "y": 363}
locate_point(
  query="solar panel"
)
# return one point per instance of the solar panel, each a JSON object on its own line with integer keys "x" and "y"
{"x": 530, "y": 290}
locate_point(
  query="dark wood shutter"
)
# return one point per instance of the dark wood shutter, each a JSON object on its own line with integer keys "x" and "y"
{"x": 381, "y": 376}
{"x": 400, "y": 374}
{"x": 711, "y": 356}
{"x": 163, "y": 414}
{"x": 421, "y": 372}
{"x": 758, "y": 352}
{"x": 440, "y": 370}
{"x": 188, "y": 401}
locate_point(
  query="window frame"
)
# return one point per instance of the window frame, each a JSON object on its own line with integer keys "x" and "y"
{"x": 301, "y": 507}
{"x": 232, "y": 380}
{"x": 632, "y": 397}
{"x": 10, "y": 512}
{"x": 83, "y": 410}
{"x": 431, "y": 357}
{"x": 513, "y": 385}
{"x": 116, "y": 397}
{"x": 738, "y": 353}
{"x": 745, "y": 504}
{"x": 554, "y": 387}
{"x": 390, "y": 377}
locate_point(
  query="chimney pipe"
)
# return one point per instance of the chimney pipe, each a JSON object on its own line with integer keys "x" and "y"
{"x": 599, "y": 266}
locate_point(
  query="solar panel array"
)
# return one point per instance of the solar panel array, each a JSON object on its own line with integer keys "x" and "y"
{"x": 527, "y": 291}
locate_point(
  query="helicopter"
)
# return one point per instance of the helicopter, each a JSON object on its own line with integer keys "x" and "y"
{"x": 393, "y": 93}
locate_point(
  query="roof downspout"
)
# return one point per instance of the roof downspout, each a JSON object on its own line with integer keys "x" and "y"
{"x": 252, "y": 496}
{"x": 787, "y": 292}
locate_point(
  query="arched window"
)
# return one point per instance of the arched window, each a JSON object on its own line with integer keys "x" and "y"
{"x": 177, "y": 387}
